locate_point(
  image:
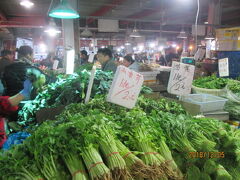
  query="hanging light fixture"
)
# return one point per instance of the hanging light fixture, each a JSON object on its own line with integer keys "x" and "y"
{"x": 26, "y": 3}
{"x": 210, "y": 36}
{"x": 64, "y": 11}
{"x": 182, "y": 35}
{"x": 127, "y": 43}
{"x": 86, "y": 32}
{"x": 52, "y": 29}
{"x": 135, "y": 32}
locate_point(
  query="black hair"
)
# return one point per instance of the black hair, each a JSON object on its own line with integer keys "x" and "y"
{"x": 129, "y": 59}
{"x": 25, "y": 50}
{"x": 105, "y": 52}
{"x": 6, "y": 52}
{"x": 84, "y": 52}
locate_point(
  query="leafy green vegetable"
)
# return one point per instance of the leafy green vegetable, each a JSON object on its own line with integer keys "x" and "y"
{"x": 204, "y": 176}
{"x": 193, "y": 173}
{"x": 234, "y": 110}
{"x": 151, "y": 141}
{"x": 210, "y": 82}
{"x": 222, "y": 174}
{"x": 210, "y": 166}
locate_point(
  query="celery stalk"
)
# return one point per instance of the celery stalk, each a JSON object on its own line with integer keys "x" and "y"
{"x": 114, "y": 160}
{"x": 75, "y": 166}
{"x": 95, "y": 165}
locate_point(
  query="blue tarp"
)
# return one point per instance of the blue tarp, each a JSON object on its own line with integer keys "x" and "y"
{"x": 15, "y": 138}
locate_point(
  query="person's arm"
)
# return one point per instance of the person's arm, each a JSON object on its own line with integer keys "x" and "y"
{"x": 10, "y": 104}
{"x": 6, "y": 107}
{"x": 15, "y": 100}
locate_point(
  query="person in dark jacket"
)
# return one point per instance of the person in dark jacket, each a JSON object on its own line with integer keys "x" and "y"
{"x": 6, "y": 59}
{"x": 105, "y": 57}
{"x": 84, "y": 57}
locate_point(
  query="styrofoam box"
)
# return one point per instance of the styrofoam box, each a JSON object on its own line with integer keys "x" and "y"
{"x": 207, "y": 102}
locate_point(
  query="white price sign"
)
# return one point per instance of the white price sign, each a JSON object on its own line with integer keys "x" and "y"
{"x": 55, "y": 64}
{"x": 125, "y": 87}
{"x": 91, "y": 57}
{"x": 181, "y": 77}
{"x": 223, "y": 67}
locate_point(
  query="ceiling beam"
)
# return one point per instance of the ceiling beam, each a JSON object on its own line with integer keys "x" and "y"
{"x": 231, "y": 15}
{"x": 233, "y": 22}
{"x": 141, "y": 14}
{"x": 232, "y": 3}
{"x": 105, "y": 9}
{"x": 24, "y": 15}
{"x": 144, "y": 13}
{"x": 24, "y": 22}
{"x": 119, "y": 6}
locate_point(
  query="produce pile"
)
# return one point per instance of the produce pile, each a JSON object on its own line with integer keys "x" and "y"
{"x": 211, "y": 82}
{"x": 232, "y": 88}
{"x": 234, "y": 110}
{"x": 67, "y": 89}
{"x": 214, "y": 82}
{"x": 103, "y": 141}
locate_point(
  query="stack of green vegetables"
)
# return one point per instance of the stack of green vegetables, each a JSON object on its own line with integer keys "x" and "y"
{"x": 234, "y": 86}
{"x": 66, "y": 90}
{"x": 212, "y": 82}
{"x": 103, "y": 141}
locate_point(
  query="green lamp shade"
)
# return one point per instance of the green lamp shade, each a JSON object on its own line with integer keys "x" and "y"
{"x": 64, "y": 11}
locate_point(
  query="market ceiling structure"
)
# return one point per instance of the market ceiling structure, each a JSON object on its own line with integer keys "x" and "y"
{"x": 172, "y": 15}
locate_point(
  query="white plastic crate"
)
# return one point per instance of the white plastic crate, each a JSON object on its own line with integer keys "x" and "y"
{"x": 206, "y": 102}
{"x": 149, "y": 75}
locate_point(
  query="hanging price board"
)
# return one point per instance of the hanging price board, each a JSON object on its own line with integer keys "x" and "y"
{"x": 223, "y": 67}
{"x": 125, "y": 87}
{"x": 181, "y": 77}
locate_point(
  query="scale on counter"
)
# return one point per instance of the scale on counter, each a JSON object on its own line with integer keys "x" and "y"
{"x": 188, "y": 60}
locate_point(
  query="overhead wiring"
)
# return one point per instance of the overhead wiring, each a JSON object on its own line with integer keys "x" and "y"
{"x": 50, "y": 6}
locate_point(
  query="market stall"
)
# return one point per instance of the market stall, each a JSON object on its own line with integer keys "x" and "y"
{"x": 119, "y": 90}
{"x": 100, "y": 140}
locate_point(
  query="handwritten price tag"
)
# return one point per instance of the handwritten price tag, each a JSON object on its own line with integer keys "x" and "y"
{"x": 125, "y": 87}
{"x": 181, "y": 77}
{"x": 223, "y": 67}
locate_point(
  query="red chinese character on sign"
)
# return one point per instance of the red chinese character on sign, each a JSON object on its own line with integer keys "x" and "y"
{"x": 138, "y": 77}
{"x": 133, "y": 96}
{"x": 130, "y": 74}
{"x": 124, "y": 84}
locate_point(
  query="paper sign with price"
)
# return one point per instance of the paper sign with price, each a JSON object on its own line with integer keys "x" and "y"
{"x": 181, "y": 77}
{"x": 125, "y": 87}
{"x": 223, "y": 67}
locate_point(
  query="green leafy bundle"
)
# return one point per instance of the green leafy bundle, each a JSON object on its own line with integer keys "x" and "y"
{"x": 100, "y": 140}
{"x": 211, "y": 82}
{"x": 234, "y": 86}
